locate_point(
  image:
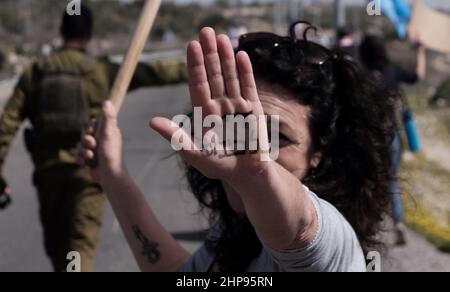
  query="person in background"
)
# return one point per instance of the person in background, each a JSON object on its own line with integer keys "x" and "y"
{"x": 375, "y": 58}
{"x": 346, "y": 43}
{"x": 59, "y": 95}
{"x": 442, "y": 95}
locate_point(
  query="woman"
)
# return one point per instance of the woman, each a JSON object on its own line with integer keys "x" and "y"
{"x": 375, "y": 58}
{"x": 333, "y": 140}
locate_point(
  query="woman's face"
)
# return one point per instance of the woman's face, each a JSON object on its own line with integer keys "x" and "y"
{"x": 294, "y": 136}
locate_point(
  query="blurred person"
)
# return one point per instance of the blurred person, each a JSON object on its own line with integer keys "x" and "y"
{"x": 235, "y": 32}
{"x": 59, "y": 95}
{"x": 265, "y": 215}
{"x": 346, "y": 43}
{"x": 375, "y": 57}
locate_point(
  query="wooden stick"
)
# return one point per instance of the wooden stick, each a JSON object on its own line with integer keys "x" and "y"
{"x": 125, "y": 75}
{"x": 126, "y": 72}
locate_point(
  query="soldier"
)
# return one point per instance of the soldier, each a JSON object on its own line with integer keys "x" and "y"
{"x": 59, "y": 95}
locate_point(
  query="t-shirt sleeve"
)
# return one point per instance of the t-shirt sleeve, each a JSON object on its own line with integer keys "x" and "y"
{"x": 335, "y": 248}
{"x": 201, "y": 261}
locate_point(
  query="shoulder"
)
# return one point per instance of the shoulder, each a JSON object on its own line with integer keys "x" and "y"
{"x": 68, "y": 60}
{"x": 200, "y": 261}
{"x": 335, "y": 247}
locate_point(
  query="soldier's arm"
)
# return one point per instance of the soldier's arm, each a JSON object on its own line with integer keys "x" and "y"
{"x": 12, "y": 117}
{"x": 158, "y": 73}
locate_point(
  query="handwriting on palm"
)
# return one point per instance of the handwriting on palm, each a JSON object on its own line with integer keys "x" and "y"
{"x": 221, "y": 83}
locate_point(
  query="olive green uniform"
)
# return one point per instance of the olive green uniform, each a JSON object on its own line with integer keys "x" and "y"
{"x": 71, "y": 203}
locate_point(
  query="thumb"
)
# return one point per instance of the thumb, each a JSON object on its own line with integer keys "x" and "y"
{"x": 109, "y": 119}
{"x": 177, "y": 137}
{"x": 170, "y": 131}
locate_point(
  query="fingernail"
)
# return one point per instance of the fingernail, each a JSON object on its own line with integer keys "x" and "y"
{"x": 107, "y": 105}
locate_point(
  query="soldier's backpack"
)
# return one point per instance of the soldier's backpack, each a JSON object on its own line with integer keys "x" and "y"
{"x": 62, "y": 105}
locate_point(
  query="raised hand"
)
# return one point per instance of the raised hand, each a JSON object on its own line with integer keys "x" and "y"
{"x": 104, "y": 147}
{"x": 221, "y": 83}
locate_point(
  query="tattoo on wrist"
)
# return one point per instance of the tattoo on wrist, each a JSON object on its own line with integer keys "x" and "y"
{"x": 149, "y": 248}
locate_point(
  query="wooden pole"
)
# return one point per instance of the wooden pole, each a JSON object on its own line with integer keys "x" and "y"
{"x": 126, "y": 72}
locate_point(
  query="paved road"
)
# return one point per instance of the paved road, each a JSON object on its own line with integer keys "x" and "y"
{"x": 162, "y": 181}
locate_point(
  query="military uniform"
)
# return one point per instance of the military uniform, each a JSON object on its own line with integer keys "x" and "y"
{"x": 71, "y": 203}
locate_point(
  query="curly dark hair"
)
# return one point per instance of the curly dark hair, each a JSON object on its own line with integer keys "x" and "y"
{"x": 351, "y": 125}
{"x": 373, "y": 53}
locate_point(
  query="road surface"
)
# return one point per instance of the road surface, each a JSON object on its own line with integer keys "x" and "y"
{"x": 159, "y": 175}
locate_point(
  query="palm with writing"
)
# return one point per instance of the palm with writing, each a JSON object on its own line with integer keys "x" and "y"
{"x": 221, "y": 83}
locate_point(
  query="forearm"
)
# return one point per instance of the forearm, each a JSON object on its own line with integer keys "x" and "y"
{"x": 154, "y": 248}
{"x": 159, "y": 74}
{"x": 10, "y": 122}
{"x": 278, "y": 206}
{"x": 6, "y": 138}
{"x": 421, "y": 63}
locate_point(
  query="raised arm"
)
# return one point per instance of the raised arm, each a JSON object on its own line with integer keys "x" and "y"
{"x": 13, "y": 115}
{"x": 153, "y": 246}
{"x": 275, "y": 201}
{"x": 421, "y": 69}
{"x": 158, "y": 73}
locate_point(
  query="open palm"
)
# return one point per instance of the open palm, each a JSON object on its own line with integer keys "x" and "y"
{"x": 221, "y": 83}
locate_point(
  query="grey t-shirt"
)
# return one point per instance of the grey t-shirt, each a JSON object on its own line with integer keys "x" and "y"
{"x": 335, "y": 249}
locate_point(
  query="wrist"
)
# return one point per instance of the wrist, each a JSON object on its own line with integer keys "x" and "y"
{"x": 252, "y": 175}
{"x": 110, "y": 176}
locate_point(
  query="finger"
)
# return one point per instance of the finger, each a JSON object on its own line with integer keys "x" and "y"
{"x": 168, "y": 129}
{"x": 8, "y": 191}
{"x": 198, "y": 79}
{"x": 229, "y": 68}
{"x": 213, "y": 66}
{"x": 87, "y": 154}
{"x": 109, "y": 121}
{"x": 89, "y": 142}
{"x": 250, "y": 92}
{"x": 91, "y": 127}
{"x": 171, "y": 132}
{"x": 90, "y": 130}
{"x": 246, "y": 77}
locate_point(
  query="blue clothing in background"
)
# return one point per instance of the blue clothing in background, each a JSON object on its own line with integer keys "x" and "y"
{"x": 399, "y": 12}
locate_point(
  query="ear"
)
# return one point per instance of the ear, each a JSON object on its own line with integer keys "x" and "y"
{"x": 315, "y": 160}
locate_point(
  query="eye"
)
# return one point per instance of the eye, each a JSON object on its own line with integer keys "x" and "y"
{"x": 282, "y": 138}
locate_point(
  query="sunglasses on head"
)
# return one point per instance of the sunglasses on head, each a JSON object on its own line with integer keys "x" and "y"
{"x": 266, "y": 43}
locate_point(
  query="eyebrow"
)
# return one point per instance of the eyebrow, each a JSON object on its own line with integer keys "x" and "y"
{"x": 283, "y": 126}
{"x": 292, "y": 133}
